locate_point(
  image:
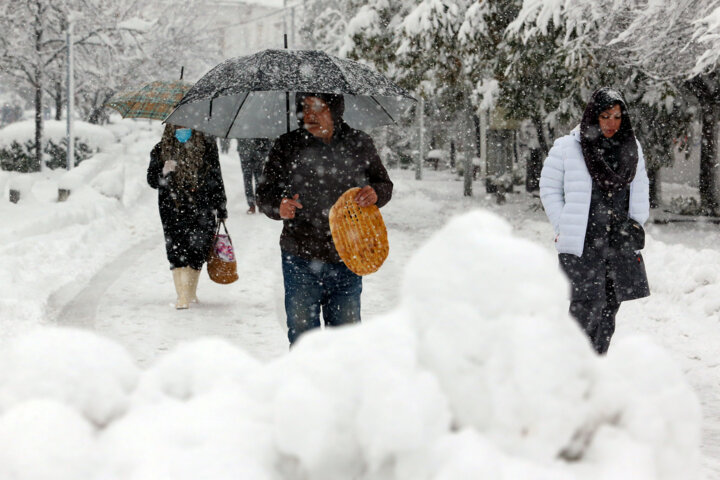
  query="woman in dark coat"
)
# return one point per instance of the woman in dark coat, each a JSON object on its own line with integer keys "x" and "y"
{"x": 185, "y": 168}
{"x": 594, "y": 188}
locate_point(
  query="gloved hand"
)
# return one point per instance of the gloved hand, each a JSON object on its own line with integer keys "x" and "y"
{"x": 168, "y": 167}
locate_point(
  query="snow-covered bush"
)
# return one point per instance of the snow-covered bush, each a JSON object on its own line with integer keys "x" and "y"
{"x": 479, "y": 373}
{"x": 17, "y": 144}
{"x": 685, "y": 206}
{"x": 21, "y": 158}
{"x": 389, "y": 158}
{"x": 438, "y": 158}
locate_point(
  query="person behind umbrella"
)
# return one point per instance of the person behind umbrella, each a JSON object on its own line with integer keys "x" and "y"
{"x": 594, "y": 187}
{"x": 185, "y": 168}
{"x": 306, "y": 172}
{"x": 253, "y": 152}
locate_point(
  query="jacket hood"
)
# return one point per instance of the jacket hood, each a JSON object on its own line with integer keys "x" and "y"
{"x": 601, "y": 100}
{"x": 336, "y": 103}
{"x": 594, "y": 145}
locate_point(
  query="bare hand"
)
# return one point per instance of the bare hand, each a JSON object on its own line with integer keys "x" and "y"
{"x": 169, "y": 166}
{"x": 288, "y": 206}
{"x": 366, "y": 196}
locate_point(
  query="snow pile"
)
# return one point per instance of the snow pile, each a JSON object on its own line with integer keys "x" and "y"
{"x": 688, "y": 275}
{"x": 90, "y": 374}
{"x": 504, "y": 320}
{"x": 95, "y": 136}
{"x": 49, "y": 247}
{"x": 478, "y": 374}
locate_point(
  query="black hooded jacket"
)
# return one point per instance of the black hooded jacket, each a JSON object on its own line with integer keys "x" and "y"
{"x": 319, "y": 173}
{"x": 189, "y": 219}
{"x": 612, "y": 163}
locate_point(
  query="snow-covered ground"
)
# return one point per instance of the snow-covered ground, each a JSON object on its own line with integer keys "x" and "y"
{"x": 466, "y": 366}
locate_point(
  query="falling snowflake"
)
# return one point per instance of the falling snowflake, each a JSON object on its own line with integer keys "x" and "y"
{"x": 307, "y": 71}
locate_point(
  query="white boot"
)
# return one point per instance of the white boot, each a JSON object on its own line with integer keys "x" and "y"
{"x": 194, "y": 279}
{"x": 180, "y": 277}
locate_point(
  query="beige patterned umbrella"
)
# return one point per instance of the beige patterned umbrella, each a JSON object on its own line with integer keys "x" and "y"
{"x": 155, "y": 100}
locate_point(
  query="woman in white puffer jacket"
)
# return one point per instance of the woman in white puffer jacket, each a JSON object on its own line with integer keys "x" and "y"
{"x": 595, "y": 191}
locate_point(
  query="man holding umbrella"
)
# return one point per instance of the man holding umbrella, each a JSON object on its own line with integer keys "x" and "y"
{"x": 307, "y": 171}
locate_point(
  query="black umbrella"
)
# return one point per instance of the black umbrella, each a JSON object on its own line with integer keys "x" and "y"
{"x": 247, "y": 97}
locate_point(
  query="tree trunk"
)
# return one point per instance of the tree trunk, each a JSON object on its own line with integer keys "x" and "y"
{"x": 478, "y": 135}
{"x": 98, "y": 115}
{"x": 708, "y": 163}
{"x": 37, "y": 164}
{"x": 58, "y": 102}
{"x": 533, "y": 169}
{"x": 421, "y": 139}
{"x": 470, "y": 147}
{"x": 654, "y": 177}
{"x": 537, "y": 123}
{"x": 708, "y": 95}
{"x": 467, "y": 177}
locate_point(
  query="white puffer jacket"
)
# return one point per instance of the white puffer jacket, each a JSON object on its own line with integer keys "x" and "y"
{"x": 566, "y": 189}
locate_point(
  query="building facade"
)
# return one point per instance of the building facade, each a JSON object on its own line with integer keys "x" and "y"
{"x": 246, "y": 27}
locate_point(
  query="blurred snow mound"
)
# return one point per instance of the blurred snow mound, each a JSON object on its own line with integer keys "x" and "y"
{"x": 479, "y": 373}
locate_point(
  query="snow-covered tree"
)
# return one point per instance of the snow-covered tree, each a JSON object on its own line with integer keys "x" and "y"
{"x": 668, "y": 41}
{"x": 597, "y": 48}
{"x": 530, "y": 72}
{"x": 371, "y": 35}
{"x": 117, "y": 44}
{"x": 323, "y": 25}
{"x": 30, "y": 44}
{"x": 481, "y": 40}
{"x": 33, "y": 45}
{"x": 673, "y": 41}
{"x": 707, "y": 36}
{"x": 151, "y": 42}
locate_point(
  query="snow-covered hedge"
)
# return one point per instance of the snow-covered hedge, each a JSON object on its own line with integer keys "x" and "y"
{"x": 17, "y": 143}
{"x": 479, "y": 373}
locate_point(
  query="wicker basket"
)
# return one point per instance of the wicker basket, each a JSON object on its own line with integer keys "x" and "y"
{"x": 221, "y": 263}
{"x": 359, "y": 234}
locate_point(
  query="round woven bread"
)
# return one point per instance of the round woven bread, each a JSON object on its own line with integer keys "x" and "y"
{"x": 359, "y": 234}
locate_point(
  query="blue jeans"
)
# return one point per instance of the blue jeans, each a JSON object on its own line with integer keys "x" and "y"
{"x": 311, "y": 285}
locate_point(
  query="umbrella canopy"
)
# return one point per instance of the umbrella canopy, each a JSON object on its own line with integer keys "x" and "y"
{"x": 247, "y": 97}
{"x": 154, "y": 100}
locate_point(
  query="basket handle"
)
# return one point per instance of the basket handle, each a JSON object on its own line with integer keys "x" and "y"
{"x": 217, "y": 230}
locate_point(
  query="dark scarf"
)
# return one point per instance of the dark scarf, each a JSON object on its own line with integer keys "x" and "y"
{"x": 612, "y": 162}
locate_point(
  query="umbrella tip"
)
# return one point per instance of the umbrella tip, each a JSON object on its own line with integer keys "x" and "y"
{"x": 182, "y": 71}
{"x": 285, "y": 40}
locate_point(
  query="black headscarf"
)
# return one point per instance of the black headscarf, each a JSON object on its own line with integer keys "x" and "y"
{"x": 335, "y": 102}
{"x": 612, "y": 162}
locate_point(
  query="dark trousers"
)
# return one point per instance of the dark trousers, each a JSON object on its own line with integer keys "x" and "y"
{"x": 310, "y": 286}
{"x": 251, "y": 169}
{"x": 597, "y": 317}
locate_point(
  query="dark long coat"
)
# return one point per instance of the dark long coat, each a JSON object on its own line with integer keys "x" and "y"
{"x": 300, "y": 163}
{"x": 606, "y": 254}
{"x": 189, "y": 218}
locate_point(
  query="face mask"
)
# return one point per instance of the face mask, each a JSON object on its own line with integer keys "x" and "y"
{"x": 183, "y": 134}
